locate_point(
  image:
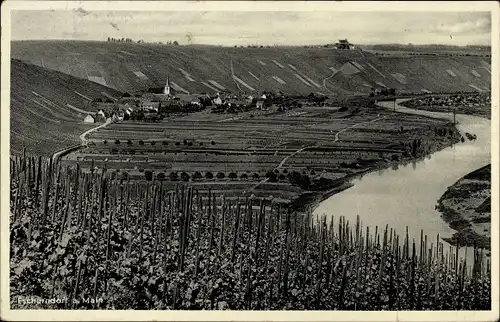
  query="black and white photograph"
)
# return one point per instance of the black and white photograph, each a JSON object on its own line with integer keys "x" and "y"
{"x": 265, "y": 157}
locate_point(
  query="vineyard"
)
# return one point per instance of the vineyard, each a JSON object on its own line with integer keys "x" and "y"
{"x": 140, "y": 245}
{"x": 234, "y": 156}
{"x": 130, "y": 67}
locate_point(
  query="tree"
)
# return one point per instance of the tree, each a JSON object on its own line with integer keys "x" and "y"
{"x": 294, "y": 177}
{"x": 161, "y": 176}
{"x": 244, "y": 176}
{"x": 271, "y": 176}
{"x": 105, "y": 142}
{"x": 117, "y": 142}
{"x": 233, "y": 176}
{"x": 281, "y": 177}
{"x": 174, "y": 176}
{"x": 109, "y": 39}
{"x": 220, "y": 175}
{"x": 129, "y": 142}
{"x": 141, "y": 142}
{"x": 213, "y": 142}
{"x": 184, "y": 176}
{"x": 165, "y": 142}
{"x": 153, "y": 143}
{"x": 197, "y": 175}
{"x": 177, "y": 143}
{"x": 185, "y": 142}
{"x": 124, "y": 176}
{"x": 175, "y": 43}
{"x": 209, "y": 175}
{"x": 256, "y": 176}
{"x": 149, "y": 175}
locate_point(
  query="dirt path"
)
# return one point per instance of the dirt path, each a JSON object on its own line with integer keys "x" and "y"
{"x": 337, "y": 138}
{"x": 324, "y": 80}
{"x": 84, "y": 134}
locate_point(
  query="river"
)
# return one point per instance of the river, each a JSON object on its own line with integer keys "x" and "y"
{"x": 407, "y": 195}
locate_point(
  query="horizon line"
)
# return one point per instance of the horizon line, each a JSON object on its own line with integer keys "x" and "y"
{"x": 255, "y": 44}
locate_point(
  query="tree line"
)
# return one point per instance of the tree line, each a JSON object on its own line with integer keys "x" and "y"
{"x": 141, "y": 41}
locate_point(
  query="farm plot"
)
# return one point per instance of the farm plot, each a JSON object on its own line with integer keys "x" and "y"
{"x": 249, "y": 149}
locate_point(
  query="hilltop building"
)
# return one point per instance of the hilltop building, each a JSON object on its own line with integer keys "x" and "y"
{"x": 344, "y": 44}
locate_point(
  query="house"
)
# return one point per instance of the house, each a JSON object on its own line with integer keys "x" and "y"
{"x": 188, "y": 99}
{"x": 344, "y": 44}
{"x": 237, "y": 102}
{"x": 89, "y": 119}
{"x": 217, "y": 101}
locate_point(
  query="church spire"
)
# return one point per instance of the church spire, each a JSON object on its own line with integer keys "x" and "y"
{"x": 166, "y": 91}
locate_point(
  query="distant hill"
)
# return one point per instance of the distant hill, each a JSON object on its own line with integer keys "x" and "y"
{"x": 47, "y": 108}
{"x": 130, "y": 67}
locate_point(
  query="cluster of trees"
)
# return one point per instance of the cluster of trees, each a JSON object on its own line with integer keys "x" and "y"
{"x": 179, "y": 107}
{"x": 383, "y": 92}
{"x": 314, "y": 98}
{"x": 294, "y": 177}
{"x": 126, "y": 40}
{"x": 140, "y": 41}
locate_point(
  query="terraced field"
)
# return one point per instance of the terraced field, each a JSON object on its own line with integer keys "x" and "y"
{"x": 47, "y": 108}
{"x": 195, "y": 69}
{"x": 239, "y": 155}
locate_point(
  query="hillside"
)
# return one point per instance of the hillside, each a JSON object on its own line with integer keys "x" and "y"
{"x": 130, "y": 67}
{"x": 47, "y": 108}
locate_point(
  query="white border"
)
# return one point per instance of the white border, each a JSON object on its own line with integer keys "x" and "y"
{"x": 130, "y": 315}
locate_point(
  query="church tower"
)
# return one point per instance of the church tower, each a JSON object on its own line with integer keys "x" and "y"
{"x": 166, "y": 90}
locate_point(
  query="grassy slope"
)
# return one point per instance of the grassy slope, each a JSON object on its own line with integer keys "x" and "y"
{"x": 116, "y": 64}
{"x": 40, "y": 118}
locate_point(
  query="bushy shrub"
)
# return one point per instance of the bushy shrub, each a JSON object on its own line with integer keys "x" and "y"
{"x": 174, "y": 176}
{"x": 184, "y": 176}
{"x": 271, "y": 176}
{"x": 148, "y": 174}
{"x": 220, "y": 175}
{"x": 209, "y": 175}
{"x": 197, "y": 175}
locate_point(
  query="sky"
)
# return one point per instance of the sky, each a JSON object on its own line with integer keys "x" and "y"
{"x": 256, "y": 27}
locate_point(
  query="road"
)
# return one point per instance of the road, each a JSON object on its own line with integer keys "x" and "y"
{"x": 337, "y": 138}
{"x": 84, "y": 134}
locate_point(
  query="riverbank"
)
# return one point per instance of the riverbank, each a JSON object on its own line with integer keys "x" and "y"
{"x": 311, "y": 199}
{"x": 466, "y": 207}
{"x": 478, "y": 104}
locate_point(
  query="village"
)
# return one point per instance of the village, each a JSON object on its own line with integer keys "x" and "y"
{"x": 157, "y": 103}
